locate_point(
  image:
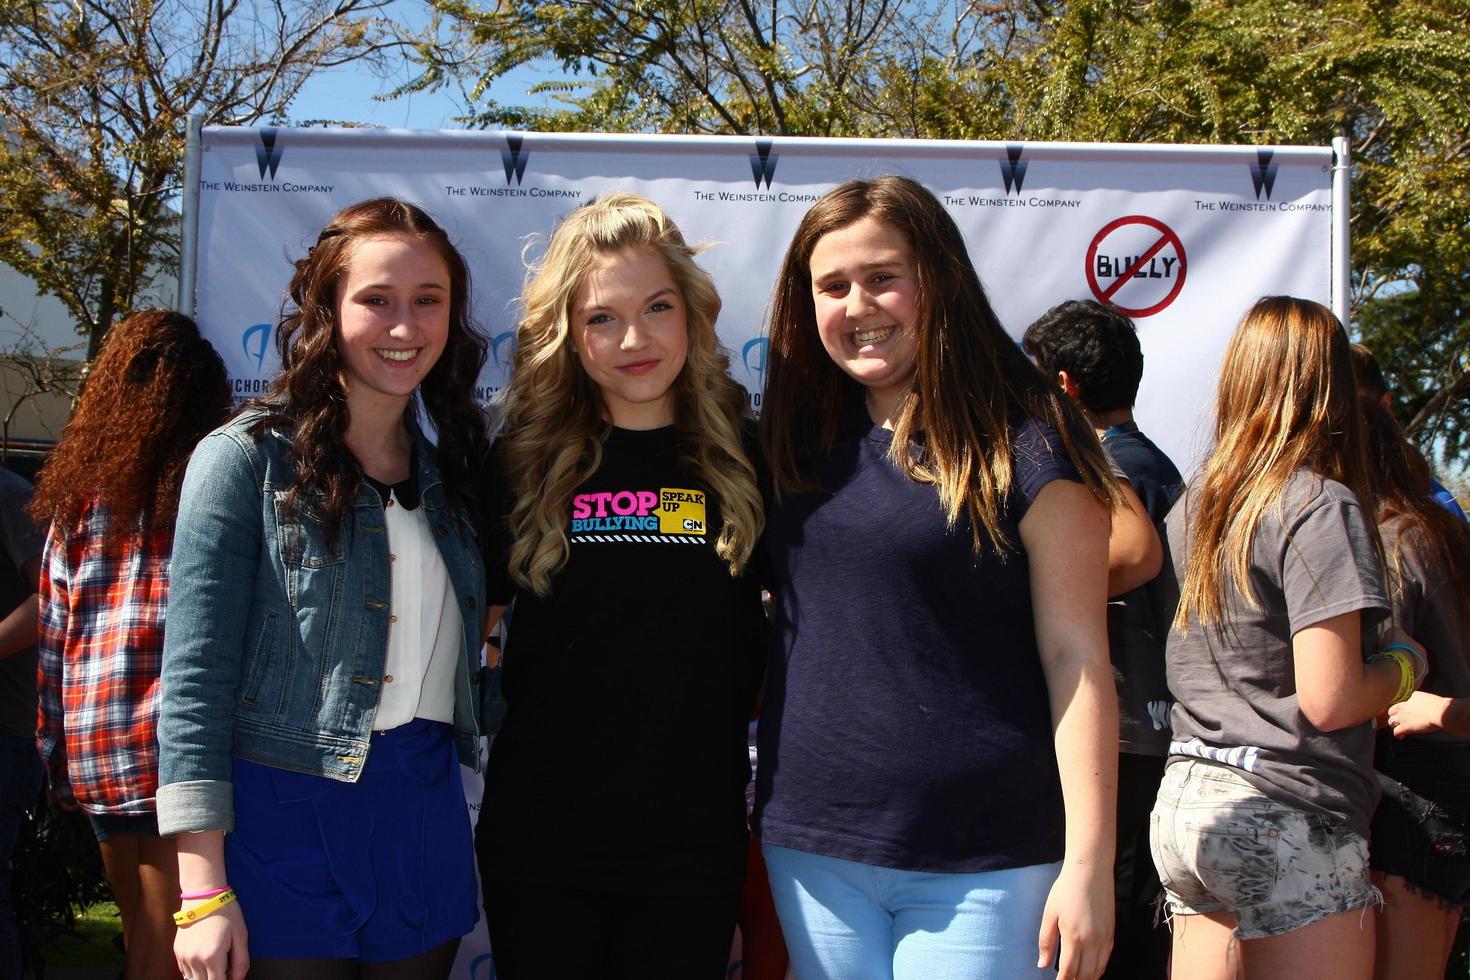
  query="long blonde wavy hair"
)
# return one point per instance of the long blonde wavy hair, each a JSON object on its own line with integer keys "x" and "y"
{"x": 1287, "y": 401}
{"x": 555, "y": 422}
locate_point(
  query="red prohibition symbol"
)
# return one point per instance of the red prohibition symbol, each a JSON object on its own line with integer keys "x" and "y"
{"x": 1145, "y": 265}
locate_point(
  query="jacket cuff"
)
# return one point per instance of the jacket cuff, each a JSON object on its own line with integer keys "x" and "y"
{"x": 199, "y": 804}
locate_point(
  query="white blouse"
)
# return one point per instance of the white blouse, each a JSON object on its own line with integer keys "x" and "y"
{"x": 425, "y": 629}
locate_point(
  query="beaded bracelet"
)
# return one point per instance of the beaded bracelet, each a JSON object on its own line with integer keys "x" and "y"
{"x": 190, "y": 916}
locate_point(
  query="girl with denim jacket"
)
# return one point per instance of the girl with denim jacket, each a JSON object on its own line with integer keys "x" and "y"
{"x": 324, "y": 629}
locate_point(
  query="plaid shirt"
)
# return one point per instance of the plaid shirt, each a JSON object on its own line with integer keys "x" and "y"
{"x": 101, "y": 654}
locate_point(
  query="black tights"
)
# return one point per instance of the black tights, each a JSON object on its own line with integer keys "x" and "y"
{"x": 433, "y": 965}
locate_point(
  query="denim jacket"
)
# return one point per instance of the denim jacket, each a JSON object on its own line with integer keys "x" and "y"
{"x": 274, "y": 641}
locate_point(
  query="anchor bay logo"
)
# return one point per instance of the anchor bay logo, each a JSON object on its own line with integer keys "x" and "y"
{"x": 763, "y": 163}
{"x": 753, "y": 355}
{"x": 507, "y": 342}
{"x": 1263, "y": 173}
{"x": 268, "y": 154}
{"x": 1013, "y": 168}
{"x": 514, "y": 159}
{"x": 254, "y": 341}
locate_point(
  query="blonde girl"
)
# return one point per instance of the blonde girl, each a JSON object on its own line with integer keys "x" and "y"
{"x": 612, "y": 835}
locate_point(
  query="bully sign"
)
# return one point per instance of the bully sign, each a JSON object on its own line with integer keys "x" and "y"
{"x": 1136, "y": 265}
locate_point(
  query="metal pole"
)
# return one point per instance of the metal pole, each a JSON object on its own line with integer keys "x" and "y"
{"x": 189, "y": 244}
{"x": 1342, "y": 160}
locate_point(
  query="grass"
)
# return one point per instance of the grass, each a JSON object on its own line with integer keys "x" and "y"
{"x": 91, "y": 944}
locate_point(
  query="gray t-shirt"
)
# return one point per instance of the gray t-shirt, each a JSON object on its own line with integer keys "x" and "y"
{"x": 20, "y": 541}
{"x": 1426, "y": 606}
{"x": 1234, "y": 684}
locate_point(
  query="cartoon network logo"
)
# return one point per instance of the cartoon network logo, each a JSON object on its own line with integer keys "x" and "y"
{"x": 514, "y": 158}
{"x": 254, "y": 341}
{"x": 1263, "y": 173}
{"x": 1013, "y": 168}
{"x": 268, "y": 154}
{"x": 763, "y": 163}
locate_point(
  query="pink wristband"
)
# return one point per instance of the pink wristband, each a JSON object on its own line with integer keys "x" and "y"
{"x": 193, "y": 896}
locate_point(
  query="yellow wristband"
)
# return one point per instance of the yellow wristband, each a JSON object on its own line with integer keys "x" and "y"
{"x": 1406, "y": 673}
{"x": 190, "y": 916}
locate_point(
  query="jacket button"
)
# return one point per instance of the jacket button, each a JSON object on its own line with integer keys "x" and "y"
{"x": 392, "y": 557}
{"x": 470, "y": 602}
{"x": 388, "y": 679}
{"x": 392, "y": 619}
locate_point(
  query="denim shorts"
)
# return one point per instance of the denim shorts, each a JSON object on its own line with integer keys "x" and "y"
{"x": 1222, "y": 846}
{"x": 109, "y": 825}
{"x": 1419, "y": 828}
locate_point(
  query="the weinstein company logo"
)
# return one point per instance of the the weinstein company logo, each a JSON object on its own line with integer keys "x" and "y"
{"x": 1263, "y": 173}
{"x": 763, "y": 163}
{"x": 513, "y": 158}
{"x": 268, "y": 154}
{"x": 1013, "y": 168}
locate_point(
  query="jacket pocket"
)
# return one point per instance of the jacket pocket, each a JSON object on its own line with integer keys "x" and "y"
{"x": 257, "y": 669}
{"x": 301, "y": 539}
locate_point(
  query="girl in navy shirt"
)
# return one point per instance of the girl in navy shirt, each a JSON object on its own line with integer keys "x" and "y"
{"x": 938, "y": 743}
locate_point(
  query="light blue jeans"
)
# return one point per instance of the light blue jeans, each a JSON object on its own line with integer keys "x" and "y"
{"x": 849, "y": 921}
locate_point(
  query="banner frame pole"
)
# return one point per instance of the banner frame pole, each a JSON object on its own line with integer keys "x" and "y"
{"x": 1342, "y": 163}
{"x": 189, "y": 240}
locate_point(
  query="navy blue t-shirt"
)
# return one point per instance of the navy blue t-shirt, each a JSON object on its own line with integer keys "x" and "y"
{"x": 1135, "y": 639}
{"x": 906, "y": 722}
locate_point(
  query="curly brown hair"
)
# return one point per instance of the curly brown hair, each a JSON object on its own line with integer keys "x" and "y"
{"x": 155, "y": 390}
{"x": 309, "y": 396}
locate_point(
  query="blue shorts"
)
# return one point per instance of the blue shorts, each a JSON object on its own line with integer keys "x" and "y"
{"x": 377, "y": 870}
{"x": 109, "y": 825}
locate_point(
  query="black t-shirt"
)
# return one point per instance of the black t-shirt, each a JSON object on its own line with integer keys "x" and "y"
{"x": 622, "y": 762}
{"x": 1135, "y": 641}
{"x": 906, "y": 722}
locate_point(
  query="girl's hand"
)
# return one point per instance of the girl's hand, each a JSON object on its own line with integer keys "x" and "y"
{"x": 214, "y": 948}
{"x": 1422, "y": 713}
{"x": 1079, "y": 915}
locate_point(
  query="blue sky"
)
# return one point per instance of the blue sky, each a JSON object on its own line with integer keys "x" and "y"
{"x": 347, "y": 94}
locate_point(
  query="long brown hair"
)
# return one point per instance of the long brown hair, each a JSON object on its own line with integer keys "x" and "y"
{"x": 1403, "y": 484}
{"x": 1287, "y": 400}
{"x": 155, "y": 390}
{"x": 970, "y": 378}
{"x": 554, "y": 412}
{"x": 310, "y": 393}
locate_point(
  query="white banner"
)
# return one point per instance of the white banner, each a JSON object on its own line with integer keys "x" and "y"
{"x": 1183, "y": 238}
